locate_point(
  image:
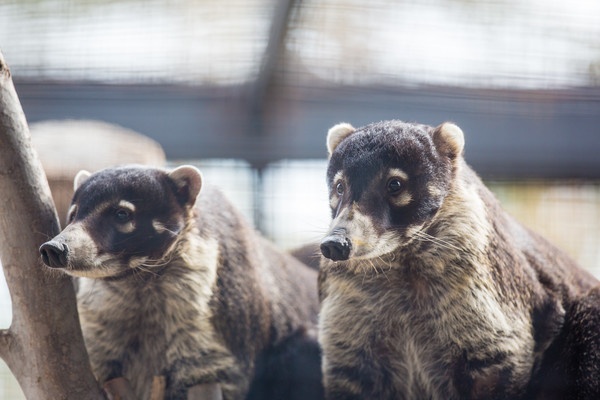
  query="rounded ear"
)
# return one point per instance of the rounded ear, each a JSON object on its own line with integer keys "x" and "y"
{"x": 336, "y": 134}
{"x": 449, "y": 139}
{"x": 188, "y": 181}
{"x": 80, "y": 178}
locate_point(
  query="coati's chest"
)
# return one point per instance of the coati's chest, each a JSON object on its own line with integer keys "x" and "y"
{"x": 144, "y": 329}
{"x": 425, "y": 342}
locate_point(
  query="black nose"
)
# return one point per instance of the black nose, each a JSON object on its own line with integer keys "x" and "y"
{"x": 336, "y": 247}
{"x": 54, "y": 254}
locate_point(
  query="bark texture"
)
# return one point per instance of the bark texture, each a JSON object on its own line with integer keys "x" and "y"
{"x": 44, "y": 346}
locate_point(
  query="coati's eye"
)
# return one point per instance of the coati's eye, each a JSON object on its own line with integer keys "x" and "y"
{"x": 339, "y": 188}
{"x": 394, "y": 186}
{"x": 122, "y": 215}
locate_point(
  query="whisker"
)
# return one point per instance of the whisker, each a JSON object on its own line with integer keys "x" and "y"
{"x": 170, "y": 231}
{"x": 161, "y": 262}
{"x": 136, "y": 275}
{"x": 43, "y": 234}
{"x": 422, "y": 236}
{"x": 439, "y": 240}
{"x": 158, "y": 263}
{"x": 382, "y": 270}
{"x": 421, "y": 239}
{"x": 372, "y": 265}
{"x": 145, "y": 269}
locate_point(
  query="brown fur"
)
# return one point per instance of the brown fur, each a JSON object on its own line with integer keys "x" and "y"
{"x": 447, "y": 296}
{"x": 177, "y": 284}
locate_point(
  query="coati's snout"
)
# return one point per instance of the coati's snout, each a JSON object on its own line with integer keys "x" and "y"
{"x": 75, "y": 252}
{"x": 356, "y": 235}
{"x": 123, "y": 219}
{"x": 337, "y": 245}
{"x": 55, "y": 253}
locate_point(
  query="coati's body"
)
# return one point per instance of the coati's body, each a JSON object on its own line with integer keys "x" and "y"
{"x": 430, "y": 290}
{"x": 174, "y": 283}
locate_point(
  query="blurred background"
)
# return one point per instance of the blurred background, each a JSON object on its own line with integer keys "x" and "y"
{"x": 246, "y": 90}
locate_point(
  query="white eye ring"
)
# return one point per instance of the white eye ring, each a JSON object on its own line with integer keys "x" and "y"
{"x": 339, "y": 188}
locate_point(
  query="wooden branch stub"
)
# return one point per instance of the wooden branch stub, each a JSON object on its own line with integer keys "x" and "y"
{"x": 206, "y": 391}
{"x": 6, "y": 343}
{"x": 119, "y": 389}
{"x": 159, "y": 384}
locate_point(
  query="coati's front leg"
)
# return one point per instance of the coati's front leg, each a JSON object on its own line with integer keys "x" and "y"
{"x": 106, "y": 351}
{"x": 205, "y": 391}
{"x": 354, "y": 379}
{"x": 202, "y": 372}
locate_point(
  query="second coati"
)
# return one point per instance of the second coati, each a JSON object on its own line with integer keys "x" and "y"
{"x": 429, "y": 290}
{"x": 172, "y": 282}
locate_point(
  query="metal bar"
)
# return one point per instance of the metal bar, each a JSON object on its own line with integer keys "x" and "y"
{"x": 509, "y": 134}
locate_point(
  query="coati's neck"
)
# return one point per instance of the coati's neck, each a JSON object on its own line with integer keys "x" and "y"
{"x": 462, "y": 221}
{"x": 456, "y": 241}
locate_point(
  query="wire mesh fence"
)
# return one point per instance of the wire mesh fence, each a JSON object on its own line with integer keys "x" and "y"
{"x": 526, "y": 43}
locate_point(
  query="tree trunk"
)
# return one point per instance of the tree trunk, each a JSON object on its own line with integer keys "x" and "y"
{"x": 44, "y": 346}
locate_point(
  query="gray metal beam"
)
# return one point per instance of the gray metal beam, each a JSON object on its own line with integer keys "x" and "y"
{"x": 509, "y": 134}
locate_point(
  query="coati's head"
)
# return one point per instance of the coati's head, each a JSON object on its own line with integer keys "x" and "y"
{"x": 122, "y": 219}
{"x": 386, "y": 183}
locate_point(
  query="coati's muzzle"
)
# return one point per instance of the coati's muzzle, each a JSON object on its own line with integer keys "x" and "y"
{"x": 55, "y": 253}
{"x": 337, "y": 245}
{"x": 72, "y": 251}
{"x": 355, "y": 236}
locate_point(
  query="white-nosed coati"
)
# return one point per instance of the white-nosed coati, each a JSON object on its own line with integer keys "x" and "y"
{"x": 429, "y": 290}
{"x": 173, "y": 282}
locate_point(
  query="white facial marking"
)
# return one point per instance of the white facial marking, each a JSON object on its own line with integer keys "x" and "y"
{"x": 413, "y": 229}
{"x": 71, "y": 213}
{"x": 338, "y": 177}
{"x": 335, "y": 198}
{"x": 127, "y": 205}
{"x": 102, "y": 207}
{"x": 158, "y": 226}
{"x": 403, "y": 199}
{"x": 127, "y": 227}
{"x": 397, "y": 172}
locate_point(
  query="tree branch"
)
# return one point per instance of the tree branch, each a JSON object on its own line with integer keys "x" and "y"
{"x": 44, "y": 346}
{"x": 6, "y": 343}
